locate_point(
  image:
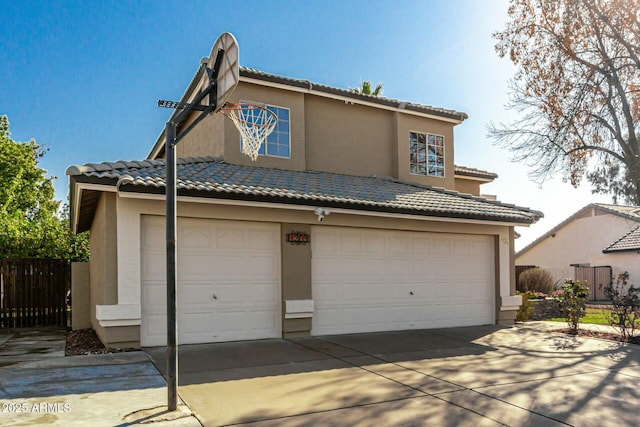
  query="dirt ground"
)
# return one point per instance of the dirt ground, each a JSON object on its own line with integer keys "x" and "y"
{"x": 85, "y": 341}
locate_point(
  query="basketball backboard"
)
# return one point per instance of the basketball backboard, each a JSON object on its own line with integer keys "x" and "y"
{"x": 229, "y": 72}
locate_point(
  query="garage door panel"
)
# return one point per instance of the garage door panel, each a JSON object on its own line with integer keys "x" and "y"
{"x": 398, "y": 292}
{"x": 442, "y": 248}
{"x": 194, "y": 326}
{"x": 154, "y": 266}
{"x": 325, "y": 292}
{"x": 195, "y": 265}
{"x": 264, "y": 264}
{"x": 153, "y": 234}
{"x": 263, "y": 320}
{"x": 262, "y": 241}
{"x": 228, "y": 281}
{"x": 350, "y": 292}
{"x": 195, "y": 238}
{"x": 195, "y": 295}
{"x": 376, "y": 292}
{"x": 399, "y": 280}
{"x": 375, "y": 245}
{"x": 229, "y": 238}
{"x": 155, "y": 296}
{"x": 462, "y": 249}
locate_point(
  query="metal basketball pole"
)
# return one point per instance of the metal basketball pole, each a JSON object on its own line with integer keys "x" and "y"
{"x": 172, "y": 277}
{"x": 172, "y": 139}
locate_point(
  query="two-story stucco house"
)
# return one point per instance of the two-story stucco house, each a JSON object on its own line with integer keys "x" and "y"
{"x": 354, "y": 218}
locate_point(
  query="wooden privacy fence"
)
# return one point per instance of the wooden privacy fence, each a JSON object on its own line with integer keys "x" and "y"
{"x": 597, "y": 279}
{"x": 521, "y": 269}
{"x": 33, "y": 292}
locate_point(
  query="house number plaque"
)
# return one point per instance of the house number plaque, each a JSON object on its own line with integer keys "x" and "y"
{"x": 298, "y": 238}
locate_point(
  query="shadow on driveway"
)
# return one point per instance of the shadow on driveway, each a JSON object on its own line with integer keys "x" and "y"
{"x": 478, "y": 375}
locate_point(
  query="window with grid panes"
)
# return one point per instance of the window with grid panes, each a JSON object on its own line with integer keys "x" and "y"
{"x": 278, "y": 143}
{"x": 426, "y": 154}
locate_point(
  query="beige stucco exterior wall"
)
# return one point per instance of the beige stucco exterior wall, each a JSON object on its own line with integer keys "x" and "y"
{"x": 329, "y": 135}
{"x": 104, "y": 255}
{"x": 467, "y": 186}
{"x": 294, "y": 101}
{"x": 506, "y": 315}
{"x": 80, "y": 295}
{"x": 621, "y": 262}
{"x": 349, "y": 139}
{"x": 579, "y": 242}
{"x": 296, "y": 278}
{"x": 407, "y": 123}
{"x": 205, "y": 139}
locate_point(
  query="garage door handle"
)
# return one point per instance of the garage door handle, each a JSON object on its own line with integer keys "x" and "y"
{"x": 214, "y": 296}
{"x": 410, "y": 292}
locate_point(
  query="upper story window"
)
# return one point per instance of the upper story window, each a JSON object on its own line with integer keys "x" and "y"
{"x": 278, "y": 143}
{"x": 426, "y": 154}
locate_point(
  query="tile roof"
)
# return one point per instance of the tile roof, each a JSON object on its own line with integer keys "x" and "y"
{"x": 475, "y": 173}
{"x": 428, "y": 109}
{"x": 209, "y": 177}
{"x": 628, "y": 242}
{"x": 628, "y": 212}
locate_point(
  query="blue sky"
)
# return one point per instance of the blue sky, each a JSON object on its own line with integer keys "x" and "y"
{"x": 83, "y": 77}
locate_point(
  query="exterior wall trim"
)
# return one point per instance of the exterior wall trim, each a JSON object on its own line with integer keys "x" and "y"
{"x": 119, "y": 315}
{"x": 472, "y": 178}
{"x": 312, "y": 208}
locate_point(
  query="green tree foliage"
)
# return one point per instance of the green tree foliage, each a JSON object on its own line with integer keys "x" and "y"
{"x": 625, "y": 312}
{"x": 576, "y": 91}
{"x": 365, "y": 88}
{"x": 31, "y": 225}
{"x": 573, "y": 303}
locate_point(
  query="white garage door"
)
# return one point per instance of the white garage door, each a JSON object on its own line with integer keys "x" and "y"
{"x": 379, "y": 280}
{"x": 228, "y": 281}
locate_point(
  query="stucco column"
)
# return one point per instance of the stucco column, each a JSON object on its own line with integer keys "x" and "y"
{"x": 508, "y": 301}
{"x": 127, "y": 312}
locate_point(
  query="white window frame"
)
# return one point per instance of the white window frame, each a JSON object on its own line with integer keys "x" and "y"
{"x": 426, "y": 148}
{"x": 264, "y": 145}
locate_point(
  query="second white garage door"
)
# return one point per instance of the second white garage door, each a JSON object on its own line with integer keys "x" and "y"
{"x": 367, "y": 280}
{"x": 228, "y": 281}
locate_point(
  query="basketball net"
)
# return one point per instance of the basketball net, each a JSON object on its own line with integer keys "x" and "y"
{"x": 254, "y": 122}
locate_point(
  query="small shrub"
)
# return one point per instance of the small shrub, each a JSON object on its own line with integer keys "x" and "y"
{"x": 573, "y": 303}
{"x": 625, "y": 314}
{"x": 536, "y": 279}
{"x": 537, "y": 295}
{"x": 525, "y": 312}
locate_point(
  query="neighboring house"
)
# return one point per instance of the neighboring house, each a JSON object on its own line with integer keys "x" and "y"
{"x": 353, "y": 219}
{"x": 596, "y": 235}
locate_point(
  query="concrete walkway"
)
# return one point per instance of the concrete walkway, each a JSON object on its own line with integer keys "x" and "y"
{"x": 40, "y": 386}
{"x": 484, "y": 376}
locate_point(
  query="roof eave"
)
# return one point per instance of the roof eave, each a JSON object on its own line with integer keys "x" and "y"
{"x": 132, "y": 188}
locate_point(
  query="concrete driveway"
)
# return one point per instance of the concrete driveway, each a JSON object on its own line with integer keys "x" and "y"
{"x": 478, "y": 376}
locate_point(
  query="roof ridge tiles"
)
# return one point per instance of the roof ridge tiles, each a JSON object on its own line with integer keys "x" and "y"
{"x": 346, "y": 92}
{"x": 137, "y": 164}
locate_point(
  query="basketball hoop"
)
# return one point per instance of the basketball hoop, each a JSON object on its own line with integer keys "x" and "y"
{"x": 254, "y": 122}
